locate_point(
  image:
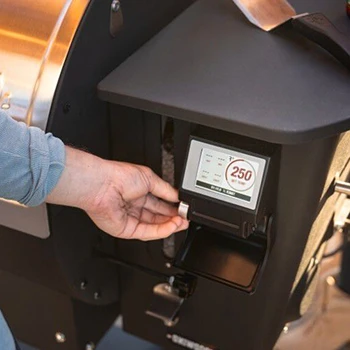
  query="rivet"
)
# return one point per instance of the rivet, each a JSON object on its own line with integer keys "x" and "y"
{"x": 60, "y": 337}
{"x": 115, "y": 6}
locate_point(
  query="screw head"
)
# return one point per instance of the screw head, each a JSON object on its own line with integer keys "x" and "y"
{"x": 168, "y": 265}
{"x": 90, "y": 346}
{"x": 83, "y": 285}
{"x": 97, "y": 296}
{"x": 115, "y": 6}
{"x": 60, "y": 337}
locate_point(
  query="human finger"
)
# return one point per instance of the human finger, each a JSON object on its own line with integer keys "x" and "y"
{"x": 148, "y": 217}
{"x": 158, "y": 206}
{"x": 148, "y": 232}
{"x": 160, "y": 188}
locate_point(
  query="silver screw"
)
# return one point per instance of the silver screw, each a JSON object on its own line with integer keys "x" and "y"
{"x": 90, "y": 346}
{"x": 83, "y": 285}
{"x": 115, "y": 5}
{"x": 60, "y": 337}
{"x": 97, "y": 295}
{"x": 168, "y": 265}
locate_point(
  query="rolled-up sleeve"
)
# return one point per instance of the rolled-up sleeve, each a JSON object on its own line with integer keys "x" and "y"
{"x": 31, "y": 162}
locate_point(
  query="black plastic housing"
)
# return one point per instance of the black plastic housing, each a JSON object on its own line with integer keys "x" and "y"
{"x": 233, "y": 261}
{"x": 220, "y": 215}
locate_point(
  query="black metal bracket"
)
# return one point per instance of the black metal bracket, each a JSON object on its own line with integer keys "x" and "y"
{"x": 116, "y": 18}
{"x": 168, "y": 298}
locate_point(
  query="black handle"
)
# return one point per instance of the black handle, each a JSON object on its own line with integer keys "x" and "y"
{"x": 319, "y": 29}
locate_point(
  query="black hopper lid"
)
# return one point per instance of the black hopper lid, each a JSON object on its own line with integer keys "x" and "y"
{"x": 211, "y": 66}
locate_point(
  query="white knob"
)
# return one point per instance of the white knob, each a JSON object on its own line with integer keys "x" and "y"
{"x": 183, "y": 210}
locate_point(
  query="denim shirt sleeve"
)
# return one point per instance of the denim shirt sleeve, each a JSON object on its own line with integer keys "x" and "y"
{"x": 6, "y": 339}
{"x": 31, "y": 162}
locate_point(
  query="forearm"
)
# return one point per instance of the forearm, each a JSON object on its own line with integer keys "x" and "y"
{"x": 124, "y": 200}
{"x": 31, "y": 162}
{"x": 84, "y": 173}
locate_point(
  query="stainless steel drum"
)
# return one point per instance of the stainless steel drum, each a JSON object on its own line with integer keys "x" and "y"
{"x": 35, "y": 38}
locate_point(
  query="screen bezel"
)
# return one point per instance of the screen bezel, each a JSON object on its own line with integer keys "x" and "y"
{"x": 193, "y": 163}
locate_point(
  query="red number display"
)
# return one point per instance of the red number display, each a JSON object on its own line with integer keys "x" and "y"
{"x": 248, "y": 175}
{"x": 240, "y": 175}
{"x": 235, "y": 171}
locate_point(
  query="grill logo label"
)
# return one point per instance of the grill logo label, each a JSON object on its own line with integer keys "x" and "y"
{"x": 187, "y": 343}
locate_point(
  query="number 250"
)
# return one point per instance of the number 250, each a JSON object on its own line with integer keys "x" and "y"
{"x": 242, "y": 173}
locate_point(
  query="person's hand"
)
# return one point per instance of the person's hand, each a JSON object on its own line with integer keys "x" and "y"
{"x": 130, "y": 204}
{"x": 124, "y": 200}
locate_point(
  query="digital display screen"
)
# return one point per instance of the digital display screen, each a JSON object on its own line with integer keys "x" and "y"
{"x": 227, "y": 174}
